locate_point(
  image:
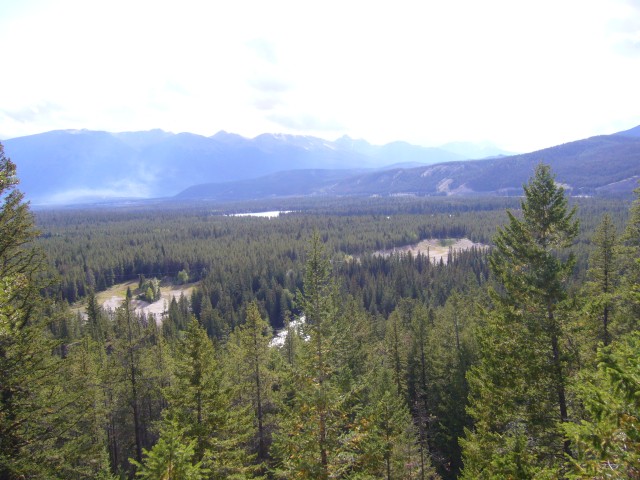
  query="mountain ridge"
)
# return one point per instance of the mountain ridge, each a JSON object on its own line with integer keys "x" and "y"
{"x": 80, "y": 166}
{"x": 64, "y": 166}
{"x": 600, "y": 165}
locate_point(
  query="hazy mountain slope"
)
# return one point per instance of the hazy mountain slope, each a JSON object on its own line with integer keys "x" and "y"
{"x": 64, "y": 165}
{"x": 281, "y": 184}
{"x": 598, "y": 164}
{"x": 632, "y": 132}
{"x": 80, "y": 165}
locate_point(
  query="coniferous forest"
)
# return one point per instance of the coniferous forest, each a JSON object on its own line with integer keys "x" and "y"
{"x": 520, "y": 360}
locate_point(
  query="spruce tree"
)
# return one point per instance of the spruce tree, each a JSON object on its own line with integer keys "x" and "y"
{"x": 628, "y": 303}
{"x": 603, "y": 270}
{"x": 171, "y": 458}
{"x": 31, "y": 398}
{"x": 382, "y": 441}
{"x": 200, "y": 402}
{"x": 247, "y": 364}
{"x": 518, "y": 388}
{"x": 607, "y": 441}
{"x": 306, "y": 444}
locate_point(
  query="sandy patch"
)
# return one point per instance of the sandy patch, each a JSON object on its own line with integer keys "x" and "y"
{"x": 112, "y": 303}
{"x": 112, "y": 298}
{"x": 436, "y": 248}
{"x": 161, "y": 307}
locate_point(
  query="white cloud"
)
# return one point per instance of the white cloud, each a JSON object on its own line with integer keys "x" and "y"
{"x": 522, "y": 74}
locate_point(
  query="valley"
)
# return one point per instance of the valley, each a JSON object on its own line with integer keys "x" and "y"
{"x": 390, "y": 323}
{"x": 320, "y": 240}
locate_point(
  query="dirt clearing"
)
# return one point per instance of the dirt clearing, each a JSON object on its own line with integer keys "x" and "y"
{"x": 113, "y": 297}
{"x": 436, "y": 248}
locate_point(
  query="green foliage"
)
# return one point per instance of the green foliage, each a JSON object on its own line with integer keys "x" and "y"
{"x": 628, "y": 304}
{"x": 200, "y": 402}
{"x": 450, "y": 350}
{"x": 518, "y": 387}
{"x": 382, "y": 440}
{"x": 306, "y": 444}
{"x": 183, "y": 277}
{"x": 603, "y": 280}
{"x": 374, "y": 385}
{"x": 150, "y": 290}
{"x": 247, "y": 366}
{"x": 607, "y": 441}
{"x": 171, "y": 457}
{"x": 525, "y": 260}
{"x": 32, "y": 402}
{"x": 396, "y": 346}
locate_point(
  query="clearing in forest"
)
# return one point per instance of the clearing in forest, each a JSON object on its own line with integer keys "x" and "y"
{"x": 436, "y": 248}
{"x": 113, "y": 297}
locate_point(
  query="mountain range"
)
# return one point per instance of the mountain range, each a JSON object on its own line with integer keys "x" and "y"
{"x": 74, "y": 166}
{"x": 66, "y": 166}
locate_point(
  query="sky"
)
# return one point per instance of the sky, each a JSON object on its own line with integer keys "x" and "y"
{"x": 522, "y": 74}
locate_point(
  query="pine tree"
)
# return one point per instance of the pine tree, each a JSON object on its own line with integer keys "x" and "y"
{"x": 96, "y": 321}
{"x": 628, "y": 293}
{"x": 518, "y": 388}
{"x": 247, "y": 359}
{"x": 602, "y": 276}
{"x": 84, "y": 438}
{"x": 31, "y": 398}
{"x": 382, "y": 442}
{"x": 307, "y": 441}
{"x": 607, "y": 442}
{"x": 171, "y": 457}
{"x": 397, "y": 346}
{"x": 200, "y": 402}
{"x": 128, "y": 349}
{"x": 451, "y": 352}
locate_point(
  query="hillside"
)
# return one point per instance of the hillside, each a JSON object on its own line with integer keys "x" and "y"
{"x": 603, "y": 165}
{"x": 66, "y": 167}
{"x": 71, "y": 166}
{"x": 292, "y": 183}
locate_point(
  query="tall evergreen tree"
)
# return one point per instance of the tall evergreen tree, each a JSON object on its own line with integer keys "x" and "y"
{"x": 31, "y": 399}
{"x": 128, "y": 348}
{"x": 603, "y": 275}
{"x": 200, "y": 402}
{"x": 628, "y": 303}
{"x": 171, "y": 458}
{"x": 84, "y": 439}
{"x": 96, "y": 318}
{"x": 306, "y": 444}
{"x": 382, "y": 442}
{"x": 451, "y": 352}
{"x": 518, "y": 389}
{"x": 247, "y": 358}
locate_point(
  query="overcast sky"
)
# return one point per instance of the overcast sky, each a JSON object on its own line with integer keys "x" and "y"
{"x": 522, "y": 74}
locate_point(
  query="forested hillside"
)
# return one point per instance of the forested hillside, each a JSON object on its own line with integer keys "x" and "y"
{"x": 519, "y": 361}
